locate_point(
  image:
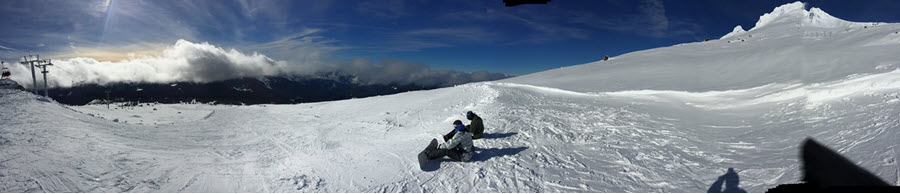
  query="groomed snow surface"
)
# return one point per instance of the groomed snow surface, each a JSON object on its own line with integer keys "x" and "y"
{"x": 670, "y": 119}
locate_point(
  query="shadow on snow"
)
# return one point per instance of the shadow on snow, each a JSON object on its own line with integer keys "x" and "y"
{"x": 497, "y": 135}
{"x": 731, "y": 180}
{"x": 482, "y": 154}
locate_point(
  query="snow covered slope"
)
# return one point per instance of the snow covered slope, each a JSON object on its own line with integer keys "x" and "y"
{"x": 788, "y": 47}
{"x": 670, "y": 119}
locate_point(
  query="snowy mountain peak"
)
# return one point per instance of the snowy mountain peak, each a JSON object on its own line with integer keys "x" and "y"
{"x": 817, "y": 17}
{"x": 796, "y": 13}
{"x": 738, "y": 30}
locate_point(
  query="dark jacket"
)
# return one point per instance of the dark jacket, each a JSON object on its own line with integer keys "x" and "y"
{"x": 476, "y": 127}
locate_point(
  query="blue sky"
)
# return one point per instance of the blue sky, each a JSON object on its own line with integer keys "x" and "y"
{"x": 465, "y": 36}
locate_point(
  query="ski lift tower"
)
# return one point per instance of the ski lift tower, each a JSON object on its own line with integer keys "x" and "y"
{"x": 43, "y": 65}
{"x": 36, "y": 61}
{"x": 107, "y": 98}
{"x": 33, "y": 77}
{"x": 4, "y": 71}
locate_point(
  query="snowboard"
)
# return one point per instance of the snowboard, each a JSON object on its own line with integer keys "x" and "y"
{"x": 424, "y": 165}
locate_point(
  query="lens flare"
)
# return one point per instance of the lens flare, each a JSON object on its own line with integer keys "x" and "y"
{"x": 109, "y": 11}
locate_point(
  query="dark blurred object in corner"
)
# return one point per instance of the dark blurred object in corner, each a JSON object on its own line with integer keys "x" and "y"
{"x": 826, "y": 171}
{"x": 510, "y": 3}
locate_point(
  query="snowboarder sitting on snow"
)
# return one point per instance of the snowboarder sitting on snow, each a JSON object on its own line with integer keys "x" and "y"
{"x": 476, "y": 126}
{"x": 459, "y": 147}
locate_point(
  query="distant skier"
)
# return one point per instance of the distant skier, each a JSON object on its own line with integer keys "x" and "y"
{"x": 476, "y": 126}
{"x": 459, "y": 147}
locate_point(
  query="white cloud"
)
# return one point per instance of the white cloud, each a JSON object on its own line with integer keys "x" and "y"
{"x": 650, "y": 20}
{"x": 543, "y": 27}
{"x": 655, "y": 12}
{"x": 391, "y": 71}
{"x": 184, "y": 61}
{"x": 135, "y": 41}
{"x": 6, "y": 48}
{"x": 383, "y": 8}
{"x": 419, "y": 39}
{"x": 203, "y": 62}
{"x": 464, "y": 34}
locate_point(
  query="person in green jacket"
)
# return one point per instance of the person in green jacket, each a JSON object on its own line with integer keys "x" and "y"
{"x": 476, "y": 126}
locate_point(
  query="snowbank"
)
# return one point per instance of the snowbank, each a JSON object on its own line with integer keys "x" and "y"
{"x": 738, "y": 30}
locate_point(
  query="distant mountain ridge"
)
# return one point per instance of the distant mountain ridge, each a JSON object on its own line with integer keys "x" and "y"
{"x": 263, "y": 90}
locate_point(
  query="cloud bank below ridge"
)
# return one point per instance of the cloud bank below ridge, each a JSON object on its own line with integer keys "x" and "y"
{"x": 202, "y": 62}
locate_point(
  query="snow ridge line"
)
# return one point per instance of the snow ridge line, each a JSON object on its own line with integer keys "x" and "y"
{"x": 813, "y": 94}
{"x": 541, "y": 89}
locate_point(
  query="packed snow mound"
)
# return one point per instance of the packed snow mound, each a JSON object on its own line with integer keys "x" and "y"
{"x": 796, "y": 13}
{"x": 738, "y": 30}
{"x": 9, "y": 84}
